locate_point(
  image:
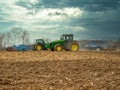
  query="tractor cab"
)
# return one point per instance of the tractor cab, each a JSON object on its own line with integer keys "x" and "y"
{"x": 67, "y": 37}
{"x": 40, "y": 41}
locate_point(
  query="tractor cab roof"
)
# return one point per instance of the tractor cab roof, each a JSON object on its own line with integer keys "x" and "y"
{"x": 67, "y": 35}
{"x": 39, "y": 41}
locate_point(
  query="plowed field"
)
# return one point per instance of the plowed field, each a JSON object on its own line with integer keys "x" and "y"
{"x": 47, "y": 70}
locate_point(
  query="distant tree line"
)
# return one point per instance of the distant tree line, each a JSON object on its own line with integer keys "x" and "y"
{"x": 15, "y": 36}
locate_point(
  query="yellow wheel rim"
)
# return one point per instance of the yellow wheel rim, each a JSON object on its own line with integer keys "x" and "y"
{"x": 39, "y": 47}
{"x": 74, "y": 47}
{"x": 48, "y": 49}
{"x": 58, "y": 48}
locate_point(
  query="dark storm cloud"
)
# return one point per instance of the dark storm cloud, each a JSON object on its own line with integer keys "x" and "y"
{"x": 85, "y": 4}
{"x": 100, "y": 17}
{"x": 90, "y": 5}
{"x": 95, "y": 5}
{"x": 104, "y": 30}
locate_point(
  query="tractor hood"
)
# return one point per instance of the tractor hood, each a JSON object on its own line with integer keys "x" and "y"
{"x": 58, "y": 41}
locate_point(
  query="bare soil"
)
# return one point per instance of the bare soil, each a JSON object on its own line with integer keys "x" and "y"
{"x": 47, "y": 70}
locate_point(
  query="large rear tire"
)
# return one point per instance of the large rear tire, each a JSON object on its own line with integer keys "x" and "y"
{"x": 57, "y": 47}
{"x": 73, "y": 46}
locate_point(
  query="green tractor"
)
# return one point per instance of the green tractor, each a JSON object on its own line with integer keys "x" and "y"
{"x": 66, "y": 42}
{"x": 69, "y": 43}
{"x": 41, "y": 45}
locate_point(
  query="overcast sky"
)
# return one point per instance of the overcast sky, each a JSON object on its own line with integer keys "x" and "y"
{"x": 86, "y": 19}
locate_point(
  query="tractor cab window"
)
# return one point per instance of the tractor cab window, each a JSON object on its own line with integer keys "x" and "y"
{"x": 62, "y": 37}
{"x": 71, "y": 37}
{"x": 40, "y": 41}
{"x": 67, "y": 37}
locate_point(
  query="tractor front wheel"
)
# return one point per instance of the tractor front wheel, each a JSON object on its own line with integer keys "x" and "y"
{"x": 57, "y": 47}
{"x": 38, "y": 47}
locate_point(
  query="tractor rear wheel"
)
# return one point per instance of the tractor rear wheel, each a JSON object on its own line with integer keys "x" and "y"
{"x": 38, "y": 47}
{"x": 73, "y": 46}
{"x": 57, "y": 47}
